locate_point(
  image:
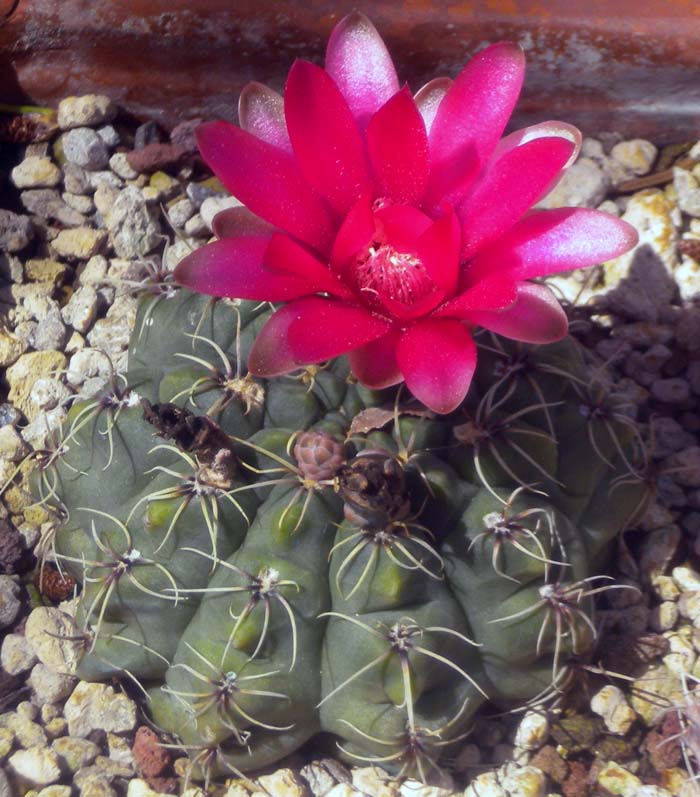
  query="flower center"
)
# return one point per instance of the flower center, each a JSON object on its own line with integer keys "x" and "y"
{"x": 383, "y": 272}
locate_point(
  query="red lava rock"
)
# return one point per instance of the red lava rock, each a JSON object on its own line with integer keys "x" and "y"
{"x": 156, "y": 156}
{"x": 577, "y": 784}
{"x": 665, "y": 751}
{"x": 152, "y": 760}
{"x": 551, "y": 763}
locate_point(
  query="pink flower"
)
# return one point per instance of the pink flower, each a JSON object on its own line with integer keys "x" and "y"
{"x": 392, "y": 225}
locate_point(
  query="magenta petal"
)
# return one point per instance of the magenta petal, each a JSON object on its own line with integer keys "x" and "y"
{"x": 550, "y": 241}
{"x": 325, "y": 328}
{"x": 271, "y": 354}
{"x": 549, "y": 129}
{"x": 374, "y": 364}
{"x": 401, "y": 226}
{"x": 261, "y": 112}
{"x": 429, "y": 97}
{"x": 438, "y": 249}
{"x": 535, "y": 317}
{"x": 326, "y": 139}
{"x": 354, "y": 235}
{"x": 235, "y": 222}
{"x": 267, "y": 180}
{"x": 360, "y": 65}
{"x": 234, "y": 267}
{"x": 494, "y": 293}
{"x": 437, "y": 358}
{"x": 288, "y": 256}
{"x": 471, "y": 119}
{"x": 508, "y": 188}
{"x": 398, "y": 149}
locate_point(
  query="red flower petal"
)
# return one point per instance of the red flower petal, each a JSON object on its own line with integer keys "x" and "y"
{"x": 288, "y": 256}
{"x": 535, "y": 317}
{"x": 438, "y": 249}
{"x": 266, "y": 180}
{"x": 235, "y": 222}
{"x": 261, "y": 112}
{"x": 361, "y": 66}
{"x": 437, "y": 358}
{"x": 549, "y": 129}
{"x": 270, "y": 354}
{"x": 471, "y": 119}
{"x": 234, "y": 267}
{"x": 523, "y": 175}
{"x": 354, "y": 235}
{"x": 398, "y": 149}
{"x": 401, "y": 226}
{"x": 550, "y": 241}
{"x": 429, "y": 97}
{"x": 324, "y": 328}
{"x": 493, "y": 293}
{"x": 326, "y": 139}
{"x": 374, "y": 364}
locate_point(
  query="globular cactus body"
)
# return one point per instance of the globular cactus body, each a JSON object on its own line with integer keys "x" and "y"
{"x": 273, "y": 559}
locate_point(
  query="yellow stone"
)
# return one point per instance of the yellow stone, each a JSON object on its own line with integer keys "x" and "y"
{"x": 80, "y": 243}
{"x": 23, "y": 374}
{"x": 11, "y": 348}
{"x": 45, "y": 270}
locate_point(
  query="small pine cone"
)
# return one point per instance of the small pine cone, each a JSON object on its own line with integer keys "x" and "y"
{"x": 374, "y": 490}
{"x": 54, "y": 586}
{"x": 319, "y": 455}
{"x": 25, "y": 129}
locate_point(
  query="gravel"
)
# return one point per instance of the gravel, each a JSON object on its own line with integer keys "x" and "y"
{"x": 70, "y": 263}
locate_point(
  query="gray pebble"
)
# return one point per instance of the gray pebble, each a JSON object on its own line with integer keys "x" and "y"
{"x": 9, "y": 415}
{"x": 15, "y": 231}
{"x": 196, "y": 227}
{"x": 105, "y": 178}
{"x": 134, "y": 228}
{"x": 685, "y": 466}
{"x": 6, "y": 789}
{"x": 16, "y": 655}
{"x": 668, "y": 436}
{"x": 82, "y": 203}
{"x": 197, "y": 193}
{"x": 691, "y": 521}
{"x": 81, "y": 309}
{"x": 47, "y": 203}
{"x": 180, "y": 212}
{"x": 75, "y": 179}
{"x": 688, "y": 329}
{"x": 50, "y": 334}
{"x": 109, "y": 135}
{"x": 85, "y": 148}
{"x": 50, "y": 686}
{"x": 119, "y": 164}
{"x": 656, "y": 356}
{"x": 47, "y": 393}
{"x": 583, "y": 185}
{"x": 688, "y": 191}
{"x": 671, "y": 391}
{"x": 642, "y": 334}
{"x": 9, "y": 601}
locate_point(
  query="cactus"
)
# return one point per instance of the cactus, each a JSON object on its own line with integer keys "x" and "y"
{"x": 269, "y": 559}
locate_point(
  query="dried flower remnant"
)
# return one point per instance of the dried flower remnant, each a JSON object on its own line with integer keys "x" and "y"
{"x": 391, "y": 224}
